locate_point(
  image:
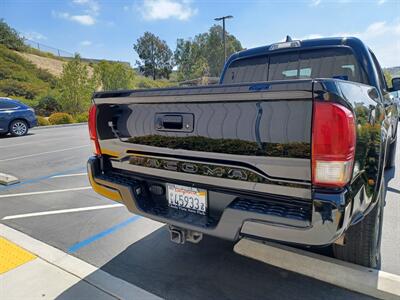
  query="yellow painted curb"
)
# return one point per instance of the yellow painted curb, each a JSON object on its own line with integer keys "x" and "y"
{"x": 12, "y": 256}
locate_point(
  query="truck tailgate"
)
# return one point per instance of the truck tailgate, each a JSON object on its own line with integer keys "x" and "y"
{"x": 250, "y": 136}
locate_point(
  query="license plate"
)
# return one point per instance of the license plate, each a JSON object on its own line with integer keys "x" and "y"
{"x": 187, "y": 198}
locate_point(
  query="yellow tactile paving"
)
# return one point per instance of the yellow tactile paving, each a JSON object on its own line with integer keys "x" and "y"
{"x": 12, "y": 256}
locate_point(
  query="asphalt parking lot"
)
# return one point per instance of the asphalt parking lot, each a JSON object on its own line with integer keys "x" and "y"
{"x": 51, "y": 166}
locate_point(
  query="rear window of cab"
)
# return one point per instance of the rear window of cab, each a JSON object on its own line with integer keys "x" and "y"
{"x": 338, "y": 63}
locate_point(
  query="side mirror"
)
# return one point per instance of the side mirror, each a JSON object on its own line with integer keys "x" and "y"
{"x": 396, "y": 84}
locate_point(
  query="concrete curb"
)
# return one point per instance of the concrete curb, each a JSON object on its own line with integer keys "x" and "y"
{"x": 86, "y": 272}
{"x": 367, "y": 281}
{"x": 7, "y": 179}
{"x": 59, "y": 126}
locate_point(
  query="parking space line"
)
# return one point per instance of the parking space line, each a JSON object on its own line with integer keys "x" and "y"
{"x": 42, "y": 153}
{"x": 31, "y": 142}
{"x": 102, "y": 234}
{"x": 37, "y": 179}
{"x": 46, "y": 192}
{"x": 62, "y": 211}
{"x": 69, "y": 175}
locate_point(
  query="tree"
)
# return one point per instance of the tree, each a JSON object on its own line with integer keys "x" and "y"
{"x": 205, "y": 54}
{"x": 215, "y": 49}
{"x": 10, "y": 37}
{"x": 76, "y": 87}
{"x": 155, "y": 56}
{"x": 388, "y": 78}
{"x": 191, "y": 63}
{"x": 114, "y": 76}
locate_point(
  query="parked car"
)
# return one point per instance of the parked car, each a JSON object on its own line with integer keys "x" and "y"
{"x": 396, "y": 92}
{"x": 15, "y": 117}
{"x": 291, "y": 147}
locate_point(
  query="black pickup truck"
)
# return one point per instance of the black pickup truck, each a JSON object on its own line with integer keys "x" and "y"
{"x": 291, "y": 146}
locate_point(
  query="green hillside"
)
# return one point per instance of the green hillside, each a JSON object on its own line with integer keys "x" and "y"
{"x": 55, "y": 85}
{"x": 21, "y": 79}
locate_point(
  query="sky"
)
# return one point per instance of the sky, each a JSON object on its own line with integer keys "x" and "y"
{"x": 107, "y": 29}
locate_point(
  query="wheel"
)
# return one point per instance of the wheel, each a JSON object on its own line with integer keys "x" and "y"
{"x": 18, "y": 128}
{"x": 391, "y": 155}
{"x": 362, "y": 241}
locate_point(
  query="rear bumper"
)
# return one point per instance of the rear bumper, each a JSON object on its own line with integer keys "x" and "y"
{"x": 321, "y": 224}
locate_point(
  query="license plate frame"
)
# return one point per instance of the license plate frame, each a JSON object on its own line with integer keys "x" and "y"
{"x": 186, "y": 198}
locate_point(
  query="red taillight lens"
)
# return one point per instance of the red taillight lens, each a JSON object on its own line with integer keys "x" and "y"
{"x": 92, "y": 129}
{"x": 333, "y": 144}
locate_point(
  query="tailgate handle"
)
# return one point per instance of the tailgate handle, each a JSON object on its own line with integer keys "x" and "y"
{"x": 172, "y": 122}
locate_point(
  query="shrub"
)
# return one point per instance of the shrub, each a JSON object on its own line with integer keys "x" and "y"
{"x": 113, "y": 75}
{"x": 142, "y": 82}
{"x": 42, "y": 121}
{"x": 11, "y": 87}
{"x": 20, "y": 78}
{"x": 76, "y": 87}
{"x": 10, "y": 37}
{"x": 47, "y": 105}
{"x": 83, "y": 117}
{"x": 60, "y": 118}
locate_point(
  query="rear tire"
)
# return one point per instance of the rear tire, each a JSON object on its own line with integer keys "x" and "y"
{"x": 363, "y": 240}
{"x": 391, "y": 155}
{"x": 18, "y": 128}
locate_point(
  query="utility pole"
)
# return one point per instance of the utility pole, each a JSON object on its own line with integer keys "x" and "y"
{"x": 223, "y": 31}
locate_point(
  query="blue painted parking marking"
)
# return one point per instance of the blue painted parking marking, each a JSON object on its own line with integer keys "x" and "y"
{"x": 37, "y": 179}
{"x": 102, "y": 234}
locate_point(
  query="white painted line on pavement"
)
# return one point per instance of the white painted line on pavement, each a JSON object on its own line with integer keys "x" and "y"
{"x": 86, "y": 272}
{"x": 62, "y": 211}
{"x": 69, "y": 175}
{"x": 31, "y": 142}
{"x": 46, "y": 192}
{"x": 41, "y": 153}
{"x": 357, "y": 278}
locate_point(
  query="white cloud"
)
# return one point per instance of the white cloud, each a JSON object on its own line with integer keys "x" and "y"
{"x": 382, "y": 37}
{"x": 85, "y": 43}
{"x": 33, "y": 35}
{"x": 380, "y": 2}
{"x": 167, "y": 9}
{"x": 315, "y": 2}
{"x": 83, "y": 19}
{"x": 88, "y": 15}
{"x": 86, "y": 20}
{"x": 92, "y": 6}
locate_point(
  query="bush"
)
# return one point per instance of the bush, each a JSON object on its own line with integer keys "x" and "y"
{"x": 42, "y": 121}
{"x": 47, "y": 105}
{"x": 83, "y": 117}
{"x": 142, "y": 82}
{"x": 10, "y": 37}
{"x": 11, "y": 87}
{"x": 20, "y": 78}
{"x": 60, "y": 118}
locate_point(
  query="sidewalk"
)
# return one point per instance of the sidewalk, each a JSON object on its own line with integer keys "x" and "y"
{"x": 30, "y": 269}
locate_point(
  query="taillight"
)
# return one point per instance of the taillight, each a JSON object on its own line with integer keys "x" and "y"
{"x": 333, "y": 144}
{"x": 92, "y": 130}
